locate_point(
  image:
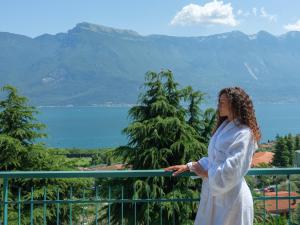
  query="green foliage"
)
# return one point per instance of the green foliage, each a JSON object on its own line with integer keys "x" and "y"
{"x": 19, "y": 131}
{"x": 263, "y": 165}
{"x": 202, "y": 121}
{"x": 282, "y": 153}
{"x": 17, "y": 119}
{"x": 271, "y": 220}
{"x": 296, "y": 216}
{"x": 284, "y": 186}
{"x": 297, "y": 142}
{"x": 285, "y": 150}
{"x": 11, "y": 152}
{"x": 268, "y": 218}
{"x": 101, "y": 158}
{"x": 291, "y": 148}
{"x": 162, "y": 133}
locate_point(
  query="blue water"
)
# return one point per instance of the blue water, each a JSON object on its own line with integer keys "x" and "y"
{"x": 95, "y": 127}
{"x": 84, "y": 127}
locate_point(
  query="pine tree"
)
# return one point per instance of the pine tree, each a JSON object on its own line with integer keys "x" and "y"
{"x": 202, "y": 122}
{"x": 282, "y": 154}
{"x": 11, "y": 153}
{"x": 291, "y": 146}
{"x": 159, "y": 130}
{"x": 208, "y": 123}
{"x": 277, "y": 151}
{"x": 194, "y": 98}
{"x": 18, "y": 129}
{"x": 285, "y": 161}
{"x": 17, "y": 119}
{"x": 159, "y": 136}
{"x": 19, "y": 150}
{"x": 297, "y": 142}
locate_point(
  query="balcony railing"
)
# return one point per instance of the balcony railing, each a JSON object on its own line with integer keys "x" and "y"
{"x": 271, "y": 204}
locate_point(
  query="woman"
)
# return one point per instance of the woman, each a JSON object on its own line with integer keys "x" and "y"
{"x": 225, "y": 196}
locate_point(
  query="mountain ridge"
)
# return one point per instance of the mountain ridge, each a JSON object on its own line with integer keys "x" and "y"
{"x": 93, "y": 64}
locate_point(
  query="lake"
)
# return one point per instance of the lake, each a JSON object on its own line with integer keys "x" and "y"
{"x": 98, "y": 127}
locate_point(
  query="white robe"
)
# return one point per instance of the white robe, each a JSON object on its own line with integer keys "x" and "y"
{"x": 225, "y": 196}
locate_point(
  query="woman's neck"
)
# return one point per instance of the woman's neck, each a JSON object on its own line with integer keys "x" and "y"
{"x": 230, "y": 118}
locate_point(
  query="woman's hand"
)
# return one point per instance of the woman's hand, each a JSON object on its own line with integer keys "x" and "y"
{"x": 177, "y": 168}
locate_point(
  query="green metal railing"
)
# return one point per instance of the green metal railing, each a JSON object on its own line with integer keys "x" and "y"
{"x": 71, "y": 201}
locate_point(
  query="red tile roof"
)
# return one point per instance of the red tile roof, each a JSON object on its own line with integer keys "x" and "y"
{"x": 104, "y": 167}
{"x": 262, "y": 157}
{"x": 283, "y": 204}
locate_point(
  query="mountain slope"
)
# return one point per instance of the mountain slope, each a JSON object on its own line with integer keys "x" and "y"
{"x": 92, "y": 64}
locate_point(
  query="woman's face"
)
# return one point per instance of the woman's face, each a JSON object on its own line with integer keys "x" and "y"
{"x": 224, "y": 107}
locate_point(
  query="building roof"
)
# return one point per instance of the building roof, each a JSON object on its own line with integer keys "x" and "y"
{"x": 262, "y": 157}
{"x": 283, "y": 204}
{"x": 105, "y": 167}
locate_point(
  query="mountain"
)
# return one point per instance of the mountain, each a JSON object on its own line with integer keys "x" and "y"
{"x": 92, "y": 64}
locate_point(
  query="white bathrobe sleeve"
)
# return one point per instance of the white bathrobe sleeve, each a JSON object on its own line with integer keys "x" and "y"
{"x": 204, "y": 162}
{"x": 224, "y": 175}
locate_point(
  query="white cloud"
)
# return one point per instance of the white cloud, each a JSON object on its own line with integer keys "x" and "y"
{"x": 261, "y": 13}
{"x": 243, "y": 13}
{"x": 212, "y": 13}
{"x": 293, "y": 27}
{"x": 264, "y": 14}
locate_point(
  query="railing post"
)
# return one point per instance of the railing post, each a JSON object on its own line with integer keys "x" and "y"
{"x": 31, "y": 206}
{"x": 45, "y": 206}
{"x": 122, "y": 205}
{"x": 289, "y": 189}
{"x": 70, "y": 206}
{"x": 57, "y": 207}
{"x": 5, "y": 200}
{"x": 109, "y": 198}
{"x": 19, "y": 206}
{"x": 97, "y": 204}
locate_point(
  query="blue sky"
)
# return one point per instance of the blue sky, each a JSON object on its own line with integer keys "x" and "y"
{"x": 169, "y": 17}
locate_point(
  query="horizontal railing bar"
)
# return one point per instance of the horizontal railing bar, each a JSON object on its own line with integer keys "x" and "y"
{"x": 37, "y": 202}
{"x": 129, "y": 173}
{"x": 274, "y": 171}
{"x": 91, "y": 201}
{"x": 278, "y": 197}
{"x": 87, "y": 174}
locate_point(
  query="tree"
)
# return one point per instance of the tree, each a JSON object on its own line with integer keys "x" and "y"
{"x": 208, "y": 124}
{"x": 297, "y": 142}
{"x": 162, "y": 133}
{"x": 291, "y": 146}
{"x": 281, "y": 157}
{"x": 19, "y": 131}
{"x": 101, "y": 158}
{"x": 11, "y": 153}
{"x": 202, "y": 122}
{"x": 17, "y": 119}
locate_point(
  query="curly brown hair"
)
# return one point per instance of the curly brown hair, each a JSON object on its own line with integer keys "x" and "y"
{"x": 242, "y": 109}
